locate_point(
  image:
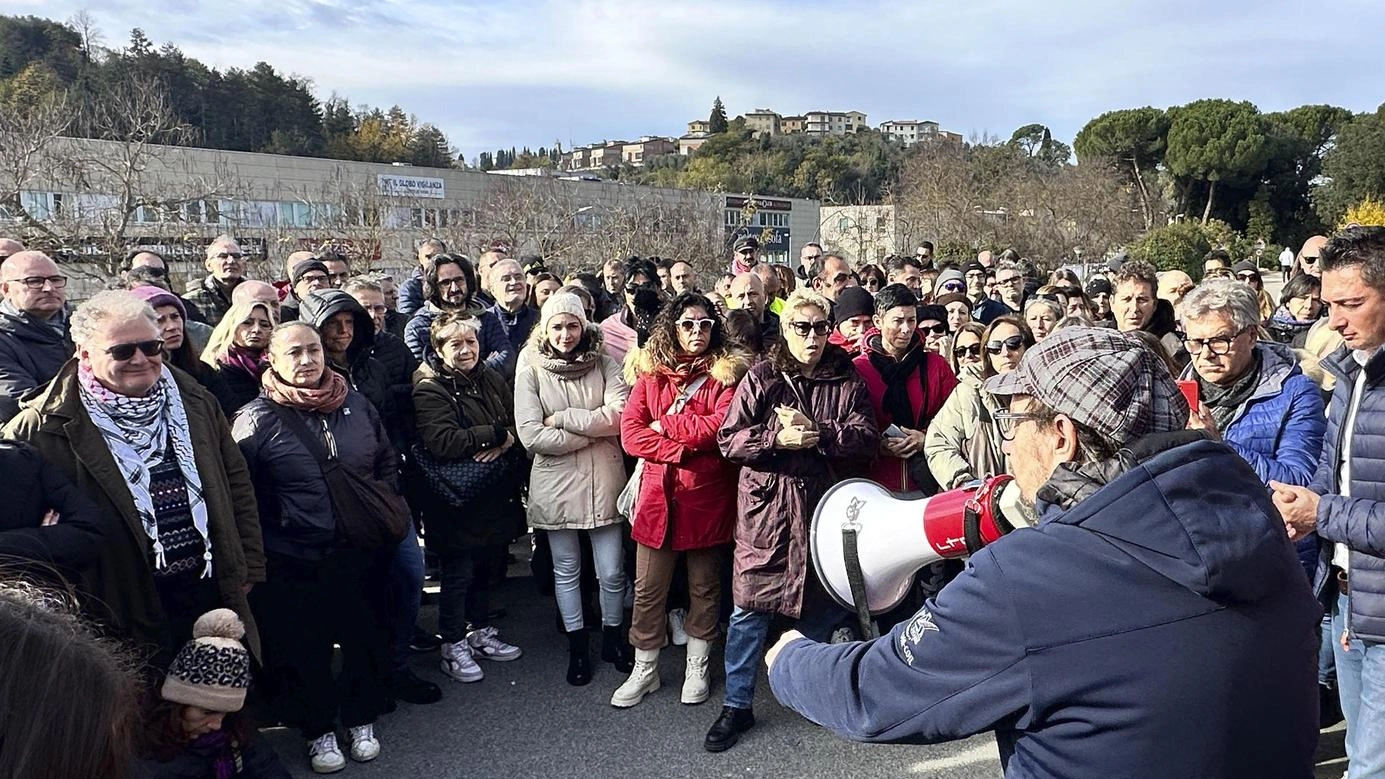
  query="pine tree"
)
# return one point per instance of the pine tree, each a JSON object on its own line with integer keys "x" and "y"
{"x": 717, "y": 120}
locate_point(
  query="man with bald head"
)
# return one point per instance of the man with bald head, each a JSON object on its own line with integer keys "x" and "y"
{"x": 748, "y": 293}
{"x": 252, "y": 291}
{"x": 834, "y": 276}
{"x": 225, "y": 269}
{"x": 769, "y": 279}
{"x": 9, "y": 246}
{"x": 148, "y": 267}
{"x": 34, "y": 340}
{"x": 1308, "y": 256}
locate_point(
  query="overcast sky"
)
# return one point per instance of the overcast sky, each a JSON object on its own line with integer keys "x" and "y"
{"x": 529, "y": 72}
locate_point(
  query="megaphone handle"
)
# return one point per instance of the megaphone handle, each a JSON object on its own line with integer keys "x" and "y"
{"x": 856, "y": 580}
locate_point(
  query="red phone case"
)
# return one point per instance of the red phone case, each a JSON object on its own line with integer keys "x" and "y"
{"x": 1189, "y": 389}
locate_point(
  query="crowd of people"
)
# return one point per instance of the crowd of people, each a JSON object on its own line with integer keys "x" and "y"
{"x": 233, "y": 480}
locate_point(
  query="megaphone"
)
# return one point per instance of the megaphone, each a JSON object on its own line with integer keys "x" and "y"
{"x": 864, "y": 534}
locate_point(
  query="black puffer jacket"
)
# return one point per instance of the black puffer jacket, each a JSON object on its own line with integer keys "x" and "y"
{"x": 295, "y": 509}
{"x": 68, "y": 546}
{"x": 31, "y": 352}
{"x": 398, "y": 364}
{"x": 240, "y": 387}
{"x": 364, "y": 373}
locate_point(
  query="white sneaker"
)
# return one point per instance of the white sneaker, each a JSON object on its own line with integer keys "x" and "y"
{"x": 643, "y": 680}
{"x": 485, "y": 645}
{"x": 458, "y": 663}
{"x": 676, "y": 632}
{"x": 325, "y": 756}
{"x": 364, "y": 745}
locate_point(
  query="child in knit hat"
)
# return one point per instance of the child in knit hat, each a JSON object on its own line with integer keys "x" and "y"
{"x": 197, "y": 728}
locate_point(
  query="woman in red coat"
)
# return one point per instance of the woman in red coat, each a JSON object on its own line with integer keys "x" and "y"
{"x": 683, "y": 382}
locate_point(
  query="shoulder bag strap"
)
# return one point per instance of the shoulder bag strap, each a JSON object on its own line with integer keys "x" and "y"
{"x": 299, "y": 428}
{"x": 686, "y": 395}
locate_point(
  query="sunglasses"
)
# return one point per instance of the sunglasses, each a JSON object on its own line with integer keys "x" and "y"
{"x": 1309, "y": 260}
{"x": 819, "y": 327}
{"x": 123, "y": 352}
{"x": 691, "y": 326}
{"x": 1012, "y": 344}
{"x": 232, "y": 256}
{"x": 934, "y": 329}
{"x": 973, "y": 350}
{"x": 1248, "y": 276}
{"x": 955, "y": 286}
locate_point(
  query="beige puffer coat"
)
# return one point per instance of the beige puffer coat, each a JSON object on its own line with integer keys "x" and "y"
{"x": 963, "y": 443}
{"x": 579, "y": 469}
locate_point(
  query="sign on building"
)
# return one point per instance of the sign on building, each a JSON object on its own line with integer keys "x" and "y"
{"x": 410, "y": 186}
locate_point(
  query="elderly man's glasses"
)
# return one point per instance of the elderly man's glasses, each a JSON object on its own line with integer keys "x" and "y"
{"x": 1007, "y": 421}
{"x": 1218, "y": 345}
{"x": 229, "y": 256}
{"x": 38, "y": 282}
{"x": 313, "y": 278}
{"x": 691, "y": 326}
{"x": 123, "y": 352}
{"x": 1012, "y": 344}
{"x": 819, "y": 327}
{"x": 1008, "y": 280}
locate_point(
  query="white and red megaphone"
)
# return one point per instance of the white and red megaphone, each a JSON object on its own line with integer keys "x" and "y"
{"x": 865, "y": 535}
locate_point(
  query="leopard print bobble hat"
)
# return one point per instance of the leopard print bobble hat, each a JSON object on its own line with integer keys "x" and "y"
{"x": 212, "y": 671}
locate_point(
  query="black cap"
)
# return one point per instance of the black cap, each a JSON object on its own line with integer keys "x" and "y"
{"x": 302, "y": 268}
{"x": 746, "y": 241}
{"x": 1098, "y": 286}
{"x": 973, "y": 266}
{"x": 853, "y": 302}
{"x": 934, "y": 311}
{"x": 1245, "y": 265}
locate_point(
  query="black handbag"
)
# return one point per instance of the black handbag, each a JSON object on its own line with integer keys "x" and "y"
{"x": 461, "y": 481}
{"x": 370, "y": 513}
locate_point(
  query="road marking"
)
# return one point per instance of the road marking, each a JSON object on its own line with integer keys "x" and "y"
{"x": 981, "y": 753}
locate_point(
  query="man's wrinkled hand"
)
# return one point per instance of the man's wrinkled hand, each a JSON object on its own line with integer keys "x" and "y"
{"x": 795, "y": 438}
{"x": 1299, "y": 508}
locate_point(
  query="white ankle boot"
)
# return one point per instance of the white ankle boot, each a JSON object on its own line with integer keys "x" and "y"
{"x": 643, "y": 680}
{"x": 696, "y": 686}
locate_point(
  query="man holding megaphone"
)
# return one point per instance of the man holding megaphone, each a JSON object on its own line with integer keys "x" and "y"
{"x": 1153, "y": 623}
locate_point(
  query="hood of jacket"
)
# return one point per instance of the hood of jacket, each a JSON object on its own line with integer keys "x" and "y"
{"x": 324, "y": 304}
{"x": 1180, "y": 504}
{"x": 727, "y": 368}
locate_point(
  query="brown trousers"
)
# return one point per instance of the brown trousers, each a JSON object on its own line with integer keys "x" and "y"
{"x": 653, "y": 574}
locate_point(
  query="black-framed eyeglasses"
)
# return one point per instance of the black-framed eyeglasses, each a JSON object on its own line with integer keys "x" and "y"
{"x": 1008, "y": 421}
{"x": 802, "y": 329}
{"x": 1219, "y": 345}
{"x": 123, "y": 352}
{"x": 1011, "y": 280}
{"x": 691, "y": 326}
{"x": 938, "y": 329}
{"x": 38, "y": 282}
{"x": 152, "y": 271}
{"x": 1012, "y": 344}
{"x": 314, "y": 278}
{"x": 459, "y": 282}
{"x": 972, "y": 350}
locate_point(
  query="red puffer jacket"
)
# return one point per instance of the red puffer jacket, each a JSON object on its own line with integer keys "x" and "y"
{"x": 688, "y": 491}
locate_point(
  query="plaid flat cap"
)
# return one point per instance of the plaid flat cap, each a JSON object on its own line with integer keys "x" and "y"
{"x": 1109, "y": 382}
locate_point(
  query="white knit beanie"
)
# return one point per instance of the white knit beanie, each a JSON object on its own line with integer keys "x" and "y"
{"x": 212, "y": 671}
{"x": 562, "y": 303}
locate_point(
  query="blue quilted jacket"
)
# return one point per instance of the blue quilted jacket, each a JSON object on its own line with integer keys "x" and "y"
{"x": 1279, "y": 430}
{"x": 1357, "y": 521}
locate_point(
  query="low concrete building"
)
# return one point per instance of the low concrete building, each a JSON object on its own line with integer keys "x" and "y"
{"x": 861, "y": 234}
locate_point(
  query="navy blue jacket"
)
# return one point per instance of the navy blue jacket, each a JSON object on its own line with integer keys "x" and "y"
{"x": 988, "y": 309}
{"x": 1279, "y": 430}
{"x": 31, "y": 353}
{"x": 1153, "y": 624}
{"x": 491, "y": 340}
{"x": 1358, "y": 521}
{"x": 411, "y": 294}
{"x": 517, "y": 328}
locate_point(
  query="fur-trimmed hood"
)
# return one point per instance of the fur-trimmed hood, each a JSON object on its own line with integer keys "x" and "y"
{"x": 727, "y": 369}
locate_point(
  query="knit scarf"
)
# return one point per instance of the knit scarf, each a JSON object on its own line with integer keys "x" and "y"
{"x": 252, "y": 361}
{"x": 1224, "y": 401}
{"x": 326, "y": 397}
{"x": 218, "y": 746}
{"x": 896, "y": 374}
{"x": 136, "y": 430}
{"x": 564, "y": 368}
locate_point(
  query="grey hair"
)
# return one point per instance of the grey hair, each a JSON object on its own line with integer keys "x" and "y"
{"x": 447, "y": 328}
{"x": 1223, "y": 296}
{"x": 358, "y": 283}
{"x": 1052, "y": 306}
{"x": 112, "y": 306}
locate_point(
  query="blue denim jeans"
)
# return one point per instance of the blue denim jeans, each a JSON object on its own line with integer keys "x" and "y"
{"x": 1327, "y": 663}
{"x": 745, "y": 645}
{"x": 405, "y": 592}
{"x": 1361, "y": 687}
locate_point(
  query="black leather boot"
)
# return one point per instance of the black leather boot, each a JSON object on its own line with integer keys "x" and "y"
{"x": 727, "y": 730}
{"x": 579, "y": 662}
{"x": 616, "y": 650}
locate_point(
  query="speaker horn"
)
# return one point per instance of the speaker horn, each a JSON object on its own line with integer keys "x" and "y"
{"x": 893, "y": 537}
